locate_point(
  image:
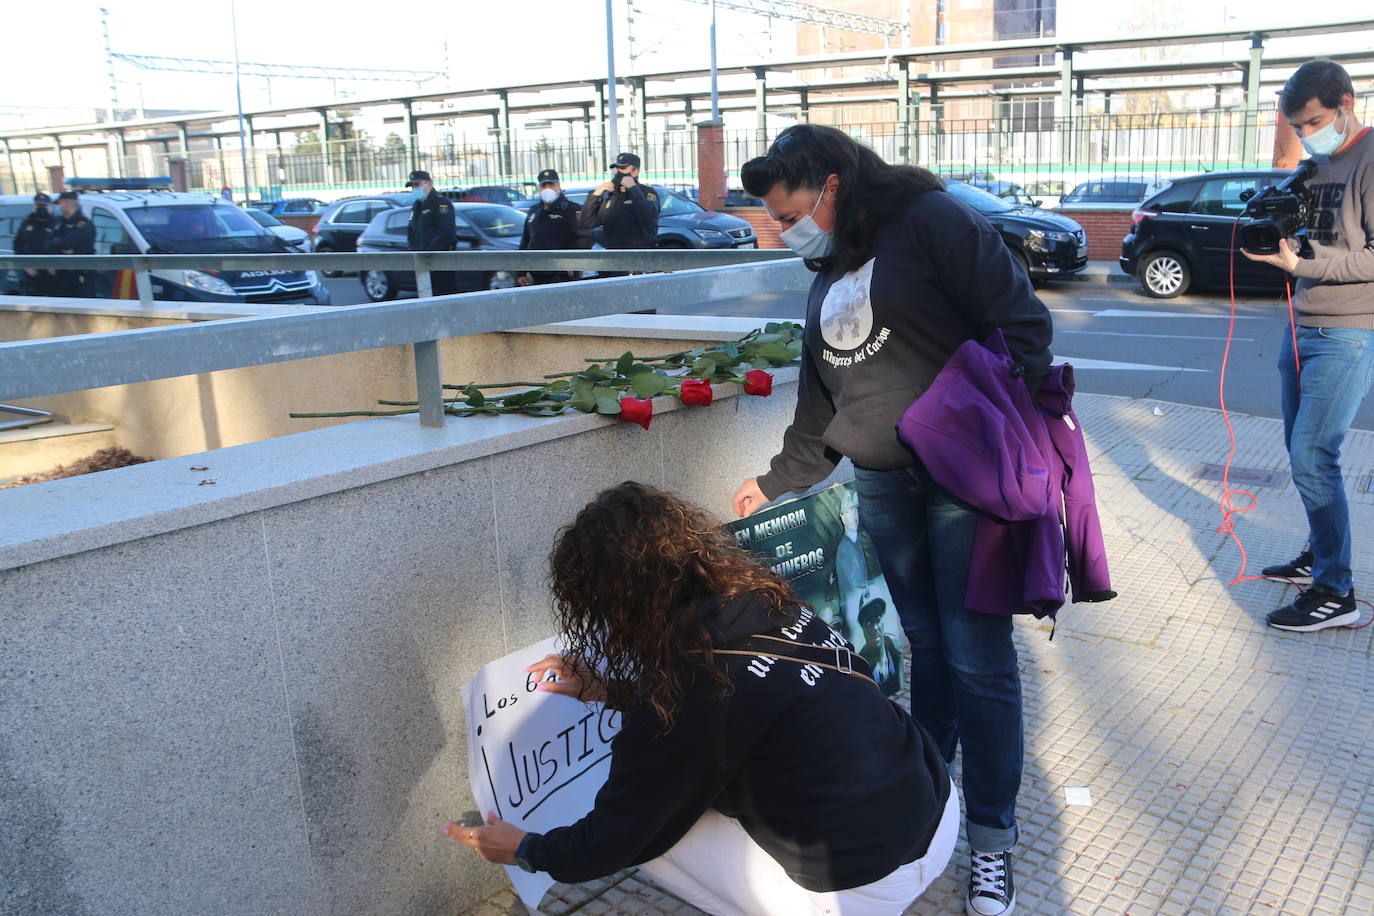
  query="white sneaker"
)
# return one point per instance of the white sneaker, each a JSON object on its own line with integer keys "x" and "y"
{"x": 990, "y": 888}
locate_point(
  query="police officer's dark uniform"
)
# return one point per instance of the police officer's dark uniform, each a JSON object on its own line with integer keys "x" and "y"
{"x": 32, "y": 238}
{"x": 553, "y": 227}
{"x": 628, "y": 218}
{"x": 433, "y": 228}
{"x": 73, "y": 235}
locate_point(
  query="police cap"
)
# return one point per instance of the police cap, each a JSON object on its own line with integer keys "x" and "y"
{"x": 41, "y": 198}
{"x": 548, "y": 176}
{"x": 68, "y": 195}
{"x": 625, "y": 159}
{"x": 416, "y": 177}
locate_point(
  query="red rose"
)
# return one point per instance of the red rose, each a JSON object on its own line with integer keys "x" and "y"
{"x": 637, "y": 410}
{"x": 696, "y": 392}
{"x": 758, "y": 382}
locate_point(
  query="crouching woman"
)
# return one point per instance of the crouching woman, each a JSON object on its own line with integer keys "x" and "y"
{"x": 752, "y": 774}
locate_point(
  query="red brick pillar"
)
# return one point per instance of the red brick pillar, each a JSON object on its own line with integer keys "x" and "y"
{"x": 178, "y": 170}
{"x": 57, "y": 182}
{"x": 1287, "y": 146}
{"x": 711, "y": 164}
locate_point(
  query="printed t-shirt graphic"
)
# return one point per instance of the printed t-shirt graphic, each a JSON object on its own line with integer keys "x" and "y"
{"x": 847, "y": 312}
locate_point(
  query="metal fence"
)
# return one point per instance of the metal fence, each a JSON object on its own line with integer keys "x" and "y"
{"x": 33, "y": 368}
{"x": 1044, "y": 154}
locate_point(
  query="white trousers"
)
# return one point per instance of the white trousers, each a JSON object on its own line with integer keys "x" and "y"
{"x": 717, "y": 867}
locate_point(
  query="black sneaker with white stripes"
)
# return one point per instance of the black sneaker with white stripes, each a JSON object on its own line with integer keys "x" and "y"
{"x": 1316, "y": 609}
{"x": 990, "y": 888}
{"x": 1297, "y": 571}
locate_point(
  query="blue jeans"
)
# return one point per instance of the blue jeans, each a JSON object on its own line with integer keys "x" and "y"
{"x": 1319, "y": 404}
{"x": 965, "y": 684}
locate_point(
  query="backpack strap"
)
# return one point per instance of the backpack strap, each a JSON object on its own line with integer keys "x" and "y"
{"x": 841, "y": 659}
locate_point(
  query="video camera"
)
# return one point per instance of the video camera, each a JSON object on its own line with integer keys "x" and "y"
{"x": 1278, "y": 212}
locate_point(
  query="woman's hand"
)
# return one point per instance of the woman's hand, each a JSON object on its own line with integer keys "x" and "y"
{"x": 496, "y": 842}
{"x": 575, "y": 678}
{"x": 749, "y": 498}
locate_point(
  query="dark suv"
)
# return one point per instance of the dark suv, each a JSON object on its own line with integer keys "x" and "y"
{"x": 1047, "y": 244}
{"x": 1185, "y": 235}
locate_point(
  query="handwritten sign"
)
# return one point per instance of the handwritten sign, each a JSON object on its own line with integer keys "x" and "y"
{"x": 537, "y": 759}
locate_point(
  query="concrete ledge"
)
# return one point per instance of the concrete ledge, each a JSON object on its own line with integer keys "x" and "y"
{"x": 63, "y": 517}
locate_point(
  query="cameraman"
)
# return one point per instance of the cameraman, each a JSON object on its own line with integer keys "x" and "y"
{"x": 626, "y": 210}
{"x": 1334, "y": 305}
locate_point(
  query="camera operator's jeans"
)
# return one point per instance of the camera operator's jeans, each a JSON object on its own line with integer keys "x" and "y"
{"x": 1319, "y": 404}
{"x": 965, "y": 684}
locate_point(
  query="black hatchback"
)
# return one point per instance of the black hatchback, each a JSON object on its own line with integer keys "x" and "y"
{"x": 1186, "y": 235}
{"x": 1047, "y": 244}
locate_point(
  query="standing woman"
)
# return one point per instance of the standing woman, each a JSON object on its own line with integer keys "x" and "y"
{"x": 905, "y": 273}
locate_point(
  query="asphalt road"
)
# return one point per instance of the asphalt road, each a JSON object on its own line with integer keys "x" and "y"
{"x": 1120, "y": 341}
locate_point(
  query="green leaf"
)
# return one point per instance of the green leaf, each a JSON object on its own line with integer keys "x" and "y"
{"x": 627, "y": 359}
{"x": 583, "y": 397}
{"x": 731, "y": 350}
{"x": 596, "y": 374}
{"x": 524, "y": 397}
{"x": 704, "y": 367}
{"x": 769, "y": 338}
{"x": 474, "y": 396}
{"x": 772, "y": 327}
{"x": 776, "y": 353}
{"x": 648, "y": 384}
{"x": 608, "y": 406}
{"x": 561, "y": 384}
{"x": 761, "y": 363}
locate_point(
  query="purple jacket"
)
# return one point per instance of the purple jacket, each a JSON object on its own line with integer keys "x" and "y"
{"x": 1023, "y": 544}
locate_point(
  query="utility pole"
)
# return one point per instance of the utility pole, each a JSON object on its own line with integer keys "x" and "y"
{"x": 109, "y": 62}
{"x": 611, "y": 116}
{"x": 715, "y": 89}
{"x": 238, "y": 93}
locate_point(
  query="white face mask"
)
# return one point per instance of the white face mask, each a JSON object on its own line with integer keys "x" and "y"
{"x": 548, "y": 195}
{"x": 806, "y": 238}
{"x": 1325, "y": 141}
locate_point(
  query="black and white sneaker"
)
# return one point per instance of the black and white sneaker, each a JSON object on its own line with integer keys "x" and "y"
{"x": 1316, "y": 609}
{"x": 990, "y": 888}
{"x": 1297, "y": 571}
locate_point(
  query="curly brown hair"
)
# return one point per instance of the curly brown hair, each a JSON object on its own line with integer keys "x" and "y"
{"x": 627, "y": 575}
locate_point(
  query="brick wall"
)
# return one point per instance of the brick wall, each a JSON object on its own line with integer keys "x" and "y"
{"x": 1104, "y": 228}
{"x": 764, "y": 226}
{"x": 711, "y": 165}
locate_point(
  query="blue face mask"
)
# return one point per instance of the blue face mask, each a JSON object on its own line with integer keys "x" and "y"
{"x": 1327, "y": 140}
{"x": 418, "y": 193}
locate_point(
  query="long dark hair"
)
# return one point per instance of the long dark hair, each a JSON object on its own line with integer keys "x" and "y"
{"x": 627, "y": 575}
{"x": 870, "y": 194}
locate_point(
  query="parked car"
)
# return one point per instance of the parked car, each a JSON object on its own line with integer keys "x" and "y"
{"x": 1182, "y": 237}
{"x": 1013, "y": 194}
{"x": 295, "y": 238}
{"x": 681, "y": 223}
{"x": 490, "y": 227}
{"x": 1047, "y": 244}
{"x": 489, "y": 193}
{"x": 166, "y": 222}
{"x": 1111, "y": 191}
{"x": 296, "y": 206}
{"x": 344, "y": 220}
{"x": 734, "y": 197}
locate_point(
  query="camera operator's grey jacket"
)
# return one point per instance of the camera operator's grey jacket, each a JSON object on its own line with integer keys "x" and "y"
{"x": 1335, "y": 288}
{"x": 876, "y": 337}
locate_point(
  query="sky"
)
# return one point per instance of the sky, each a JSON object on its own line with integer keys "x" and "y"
{"x": 478, "y": 43}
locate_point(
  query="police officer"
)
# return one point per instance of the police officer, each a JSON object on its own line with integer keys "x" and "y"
{"x": 32, "y": 238}
{"x": 73, "y": 234}
{"x": 553, "y": 224}
{"x": 432, "y": 228}
{"x": 626, "y": 210}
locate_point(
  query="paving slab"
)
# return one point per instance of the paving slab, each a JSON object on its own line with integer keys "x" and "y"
{"x": 1230, "y": 765}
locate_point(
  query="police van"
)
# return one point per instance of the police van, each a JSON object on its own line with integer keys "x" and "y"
{"x": 169, "y": 222}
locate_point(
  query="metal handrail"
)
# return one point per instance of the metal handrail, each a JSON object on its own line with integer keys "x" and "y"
{"x": 421, "y": 262}
{"x": 35, "y": 368}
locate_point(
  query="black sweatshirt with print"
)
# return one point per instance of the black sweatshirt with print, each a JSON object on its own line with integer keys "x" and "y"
{"x": 834, "y": 780}
{"x": 876, "y": 337}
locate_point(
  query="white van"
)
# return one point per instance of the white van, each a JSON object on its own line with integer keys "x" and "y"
{"x": 166, "y": 222}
